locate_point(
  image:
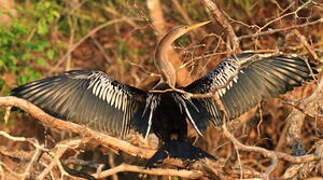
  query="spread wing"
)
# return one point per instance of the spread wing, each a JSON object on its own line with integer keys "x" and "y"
{"x": 91, "y": 98}
{"x": 244, "y": 80}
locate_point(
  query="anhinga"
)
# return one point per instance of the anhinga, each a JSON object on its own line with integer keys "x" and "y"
{"x": 96, "y": 100}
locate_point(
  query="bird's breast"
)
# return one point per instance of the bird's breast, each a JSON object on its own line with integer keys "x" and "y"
{"x": 169, "y": 121}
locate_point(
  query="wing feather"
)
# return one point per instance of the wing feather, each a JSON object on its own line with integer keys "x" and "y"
{"x": 91, "y": 98}
{"x": 249, "y": 79}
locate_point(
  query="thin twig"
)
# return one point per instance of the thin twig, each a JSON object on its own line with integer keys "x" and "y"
{"x": 272, "y": 31}
{"x": 219, "y": 17}
{"x": 61, "y": 149}
{"x": 39, "y": 149}
{"x": 30, "y": 165}
{"x": 265, "y": 152}
{"x": 182, "y": 12}
{"x": 32, "y": 141}
{"x": 306, "y": 45}
{"x": 89, "y": 34}
{"x": 285, "y": 15}
{"x": 68, "y": 63}
{"x": 102, "y": 50}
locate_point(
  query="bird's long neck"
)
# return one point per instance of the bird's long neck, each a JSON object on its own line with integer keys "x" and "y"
{"x": 162, "y": 58}
{"x": 164, "y": 49}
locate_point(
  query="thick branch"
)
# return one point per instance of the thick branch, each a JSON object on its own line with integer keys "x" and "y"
{"x": 220, "y": 18}
{"x": 100, "y": 138}
{"x": 311, "y": 105}
{"x": 193, "y": 174}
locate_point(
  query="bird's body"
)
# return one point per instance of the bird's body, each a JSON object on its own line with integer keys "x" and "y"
{"x": 169, "y": 122}
{"x": 96, "y": 100}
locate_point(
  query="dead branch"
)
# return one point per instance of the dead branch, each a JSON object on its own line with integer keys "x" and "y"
{"x": 100, "y": 138}
{"x": 89, "y": 34}
{"x": 285, "y": 15}
{"x": 295, "y": 119}
{"x": 273, "y": 31}
{"x": 183, "y": 12}
{"x": 265, "y": 152}
{"x": 34, "y": 157}
{"x": 60, "y": 150}
{"x": 32, "y": 141}
{"x": 272, "y": 154}
{"x": 306, "y": 45}
{"x": 192, "y": 174}
{"x": 220, "y": 18}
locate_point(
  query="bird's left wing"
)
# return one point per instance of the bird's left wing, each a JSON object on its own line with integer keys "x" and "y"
{"x": 243, "y": 81}
{"x": 91, "y": 98}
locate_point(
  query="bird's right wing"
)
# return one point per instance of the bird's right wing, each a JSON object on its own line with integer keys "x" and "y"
{"x": 91, "y": 98}
{"x": 243, "y": 81}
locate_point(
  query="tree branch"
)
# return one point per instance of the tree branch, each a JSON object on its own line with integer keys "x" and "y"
{"x": 193, "y": 174}
{"x": 295, "y": 119}
{"x": 99, "y": 137}
{"x": 220, "y": 18}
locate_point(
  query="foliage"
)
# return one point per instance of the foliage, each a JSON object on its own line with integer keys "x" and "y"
{"x": 24, "y": 45}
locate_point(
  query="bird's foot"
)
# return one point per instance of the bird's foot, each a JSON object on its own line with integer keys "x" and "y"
{"x": 179, "y": 150}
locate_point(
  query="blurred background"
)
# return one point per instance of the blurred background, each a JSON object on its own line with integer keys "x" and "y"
{"x": 40, "y": 38}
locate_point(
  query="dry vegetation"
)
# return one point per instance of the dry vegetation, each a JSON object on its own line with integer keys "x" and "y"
{"x": 119, "y": 37}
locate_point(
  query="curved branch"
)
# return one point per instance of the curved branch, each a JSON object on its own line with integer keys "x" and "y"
{"x": 311, "y": 103}
{"x": 265, "y": 152}
{"x": 100, "y": 138}
{"x": 221, "y": 19}
{"x": 193, "y": 174}
{"x": 51, "y": 121}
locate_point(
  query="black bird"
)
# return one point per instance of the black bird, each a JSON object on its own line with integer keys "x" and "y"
{"x": 102, "y": 103}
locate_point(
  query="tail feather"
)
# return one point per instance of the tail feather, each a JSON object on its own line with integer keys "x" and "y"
{"x": 178, "y": 150}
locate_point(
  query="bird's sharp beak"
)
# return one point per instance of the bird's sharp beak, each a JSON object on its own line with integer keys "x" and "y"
{"x": 189, "y": 28}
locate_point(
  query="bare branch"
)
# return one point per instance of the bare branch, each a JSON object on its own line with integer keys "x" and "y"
{"x": 306, "y": 45}
{"x": 193, "y": 174}
{"x": 157, "y": 17}
{"x": 296, "y": 117}
{"x": 265, "y": 152}
{"x": 219, "y": 17}
{"x": 100, "y": 138}
{"x": 272, "y": 31}
{"x": 285, "y": 15}
{"x": 61, "y": 149}
{"x": 89, "y": 34}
